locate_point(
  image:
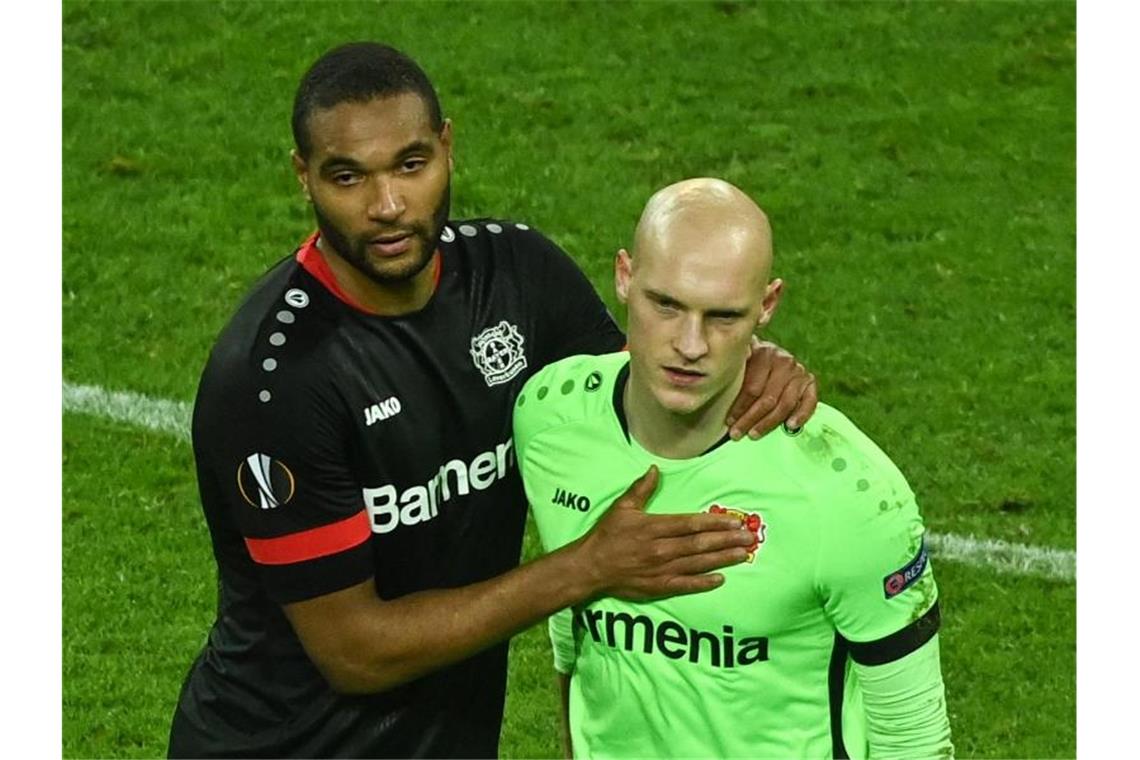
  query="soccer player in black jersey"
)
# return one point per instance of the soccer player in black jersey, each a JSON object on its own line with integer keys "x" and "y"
{"x": 352, "y": 434}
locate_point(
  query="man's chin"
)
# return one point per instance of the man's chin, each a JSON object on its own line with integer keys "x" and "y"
{"x": 679, "y": 401}
{"x": 390, "y": 270}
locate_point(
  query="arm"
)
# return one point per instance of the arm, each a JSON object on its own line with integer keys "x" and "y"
{"x": 880, "y": 593}
{"x": 905, "y": 703}
{"x": 364, "y": 644}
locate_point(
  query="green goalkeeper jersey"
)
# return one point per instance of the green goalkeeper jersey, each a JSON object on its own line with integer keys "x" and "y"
{"x": 762, "y": 666}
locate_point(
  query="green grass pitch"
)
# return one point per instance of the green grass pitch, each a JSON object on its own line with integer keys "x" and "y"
{"x": 917, "y": 161}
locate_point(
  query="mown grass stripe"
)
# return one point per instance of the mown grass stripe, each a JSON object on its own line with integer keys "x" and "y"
{"x": 173, "y": 417}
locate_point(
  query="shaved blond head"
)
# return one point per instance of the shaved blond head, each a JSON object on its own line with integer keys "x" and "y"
{"x": 697, "y": 287}
{"x": 706, "y": 217}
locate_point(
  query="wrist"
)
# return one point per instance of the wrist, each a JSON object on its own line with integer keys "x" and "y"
{"x": 578, "y": 572}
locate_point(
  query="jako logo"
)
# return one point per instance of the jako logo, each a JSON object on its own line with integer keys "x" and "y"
{"x": 389, "y": 508}
{"x": 673, "y": 640}
{"x": 269, "y": 478}
{"x": 389, "y": 407}
{"x": 570, "y": 500}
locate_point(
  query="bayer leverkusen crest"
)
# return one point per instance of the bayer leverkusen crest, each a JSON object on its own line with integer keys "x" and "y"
{"x": 753, "y": 522}
{"x": 498, "y": 353}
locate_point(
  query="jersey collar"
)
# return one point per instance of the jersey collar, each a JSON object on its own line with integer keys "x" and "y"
{"x": 310, "y": 257}
{"x": 619, "y": 410}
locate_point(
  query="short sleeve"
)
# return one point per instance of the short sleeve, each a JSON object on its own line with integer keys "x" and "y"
{"x": 572, "y": 317}
{"x": 873, "y": 569}
{"x": 277, "y": 469}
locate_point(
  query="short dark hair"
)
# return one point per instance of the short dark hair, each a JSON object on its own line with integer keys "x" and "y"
{"x": 358, "y": 72}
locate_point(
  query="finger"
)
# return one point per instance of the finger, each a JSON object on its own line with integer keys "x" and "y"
{"x": 702, "y": 563}
{"x": 760, "y": 409}
{"x": 782, "y": 371}
{"x": 781, "y": 411}
{"x": 670, "y": 550}
{"x": 639, "y": 491}
{"x": 671, "y": 526}
{"x": 806, "y": 407}
{"x": 688, "y": 584}
{"x": 756, "y": 373}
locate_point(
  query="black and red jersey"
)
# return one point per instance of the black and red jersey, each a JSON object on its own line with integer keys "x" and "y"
{"x": 334, "y": 445}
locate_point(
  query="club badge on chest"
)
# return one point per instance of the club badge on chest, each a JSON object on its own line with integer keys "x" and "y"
{"x": 498, "y": 353}
{"x": 753, "y": 522}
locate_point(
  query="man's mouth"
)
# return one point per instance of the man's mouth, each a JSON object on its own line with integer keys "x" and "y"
{"x": 682, "y": 376}
{"x": 391, "y": 245}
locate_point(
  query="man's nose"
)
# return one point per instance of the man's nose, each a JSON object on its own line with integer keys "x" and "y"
{"x": 387, "y": 202}
{"x": 690, "y": 342}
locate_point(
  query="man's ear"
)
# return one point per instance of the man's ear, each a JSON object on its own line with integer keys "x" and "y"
{"x": 445, "y": 138}
{"x": 623, "y": 271}
{"x": 771, "y": 300}
{"x": 301, "y": 169}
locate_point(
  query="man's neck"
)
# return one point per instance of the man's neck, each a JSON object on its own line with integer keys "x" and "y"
{"x": 389, "y": 299}
{"x": 676, "y": 436}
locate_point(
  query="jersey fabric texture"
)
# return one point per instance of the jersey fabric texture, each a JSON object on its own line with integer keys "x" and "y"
{"x": 334, "y": 445}
{"x": 763, "y": 665}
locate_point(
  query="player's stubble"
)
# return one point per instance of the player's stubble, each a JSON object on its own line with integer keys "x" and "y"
{"x": 354, "y": 251}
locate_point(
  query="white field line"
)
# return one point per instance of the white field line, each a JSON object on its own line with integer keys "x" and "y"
{"x": 1004, "y": 557}
{"x": 173, "y": 417}
{"x": 159, "y": 414}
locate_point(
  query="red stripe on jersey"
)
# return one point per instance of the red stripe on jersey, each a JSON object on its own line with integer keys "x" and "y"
{"x": 313, "y": 543}
{"x": 313, "y": 261}
{"x": 311, "y": 258}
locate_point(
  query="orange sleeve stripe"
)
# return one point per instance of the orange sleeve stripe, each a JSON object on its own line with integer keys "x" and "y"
{"x": 313, "y": 543}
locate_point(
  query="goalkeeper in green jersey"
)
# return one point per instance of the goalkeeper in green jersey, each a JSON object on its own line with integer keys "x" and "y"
{"x": 823, "y": 643}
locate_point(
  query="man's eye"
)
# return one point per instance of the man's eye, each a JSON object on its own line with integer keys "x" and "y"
{"x": 345, "y": 178}
{"x": 665, "y": 308}
{"x": 414, "y": 164}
